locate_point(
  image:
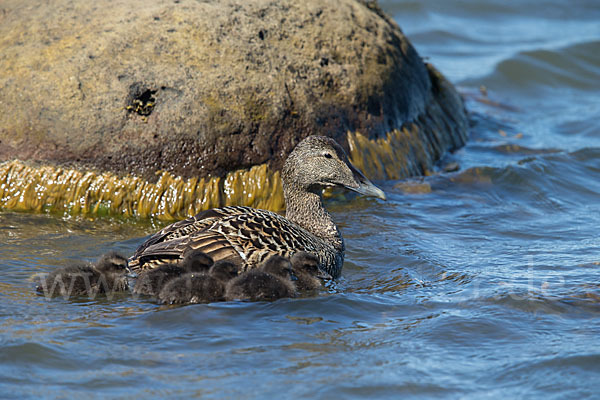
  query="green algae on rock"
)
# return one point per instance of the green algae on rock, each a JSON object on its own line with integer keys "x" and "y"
{"x": 56, "y": 189}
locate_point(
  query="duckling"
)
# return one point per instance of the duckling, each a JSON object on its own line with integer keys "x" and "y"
{"x": 107, "y": 276}
{"x": 269, "y": 282}
{"x": 247, "y": 236}
{"x": 196, "y": 261}
{"x": 151, "y": 282}
{"x": 72, "y": 280}
{"x": 306, "y": 269}
{"x": 112, "y": 267}
{"x": 224, "y": 271}
{"x": 199, "y": 287}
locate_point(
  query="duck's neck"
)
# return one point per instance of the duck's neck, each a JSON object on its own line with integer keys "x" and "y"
{"x": 306, "y": 209}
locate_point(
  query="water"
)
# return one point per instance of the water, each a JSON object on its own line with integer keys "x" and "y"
{"x": 483, "y": 284}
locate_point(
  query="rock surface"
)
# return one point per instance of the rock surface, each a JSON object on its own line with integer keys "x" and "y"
{"x": 200, "y": 88}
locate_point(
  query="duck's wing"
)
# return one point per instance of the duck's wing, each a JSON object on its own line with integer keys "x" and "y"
{"x": 168, "y": 244}
{"x": 191, "y": 225}
{"x": 213, "y": 244}
{"x": 257, "y": 234}
{"x": 242, "y": 235}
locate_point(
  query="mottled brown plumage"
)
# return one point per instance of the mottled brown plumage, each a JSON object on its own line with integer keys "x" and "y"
{"x": 247, "y": 236}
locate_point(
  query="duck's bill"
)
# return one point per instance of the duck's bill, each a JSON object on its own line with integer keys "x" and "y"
{"x": 324, "y": 275}
{"x": 368, "y": 189}
{"x": 365, "y": 186}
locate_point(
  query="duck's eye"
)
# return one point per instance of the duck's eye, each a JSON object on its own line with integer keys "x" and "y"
{"x": 327, "y": 155}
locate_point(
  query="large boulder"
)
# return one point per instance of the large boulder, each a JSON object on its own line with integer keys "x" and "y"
{"x": 201, "y": 89}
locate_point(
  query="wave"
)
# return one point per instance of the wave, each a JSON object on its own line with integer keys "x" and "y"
{"x": 575, "y": 66}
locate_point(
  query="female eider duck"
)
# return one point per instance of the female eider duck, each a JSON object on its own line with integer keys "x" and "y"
{"x": 246, "y": 236}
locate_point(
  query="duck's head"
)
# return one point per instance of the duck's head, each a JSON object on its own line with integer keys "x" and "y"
{"x": 309, "y": 264}
{"x": 319, "y": 162}
{"x": 196, "y": 261}
{"x": 112, "y": 262}
{"x": 224, "y": 270}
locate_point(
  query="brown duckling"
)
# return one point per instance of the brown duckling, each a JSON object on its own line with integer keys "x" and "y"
{"x": 224, "y": 271}
{"x": 107, "y": 276}
{"x": 191, "y": 288}
{"x": 272, "y": 280}
{"x": 152, "y": 281}
{"x": 72, "y": 280}
{"x": 196, "y": 261}
{"x": 113, "y": 267}
{"x": 203, "y": 287}
{"x": 306, "y": 268}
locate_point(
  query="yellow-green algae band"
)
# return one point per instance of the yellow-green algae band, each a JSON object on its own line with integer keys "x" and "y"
{"x": 401, "y": 153}
{"x": 55, "y": 189}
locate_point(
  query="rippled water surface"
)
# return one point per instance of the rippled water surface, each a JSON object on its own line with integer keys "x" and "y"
{"x": 479, "y": 283}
